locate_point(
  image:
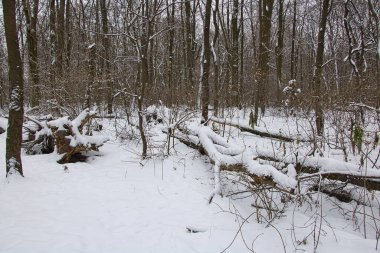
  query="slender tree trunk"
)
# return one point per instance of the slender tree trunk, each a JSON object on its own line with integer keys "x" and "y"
{"x": 91, "y": 74}
{"x": 16, "y": 106}
{"x": 171, "y": 20}
{"x": 68, "y": 34}
{"x": 234, "y": 59}
{"x": 53, "y": 42}
{"x": 293, "y": 53}
{"x": 262, "y": 71}
{"x": 31, "y": 13}
{"x": 318, "y": 68}
{"x": 106, "y": 46}
{"x": 206, "y": 61}
{"x": 377, "y": 21}
{"x": 189, "y": 46}
{"x": 144, "y": 71}
{"x": 241, "y": 78}
{"x": 280, "y": 47}
{"x": 215, "y": 57}
{"x": 60, "y": 37}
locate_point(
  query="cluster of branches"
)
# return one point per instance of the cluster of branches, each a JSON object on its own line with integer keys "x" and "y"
{"x": 74, "y": 49}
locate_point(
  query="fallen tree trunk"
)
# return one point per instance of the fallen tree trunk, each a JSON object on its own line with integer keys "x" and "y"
{"x": 338, "y": 193}
{"x": 256, "y": 131}
{"x": 227, "y": 157}
{"x": 344, "y": 172}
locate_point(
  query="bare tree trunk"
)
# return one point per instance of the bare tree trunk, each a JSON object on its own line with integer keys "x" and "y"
{"x": 292, "y": 54}
{"x": 106, "y": 46}
{"x": 377, "y": 21}
{"x": 215, "y": 58}
{"x": 53, "y": 42}
{"x": 318, "y": 68}
{"x": 189, "y": 46}
{"x": 234, "y": 59}
{"x": 91, "y": 74}
{"x": 31, "y": 13}
{"x": 68, "y": 34}
{"x": 60, "y": 37}
{"x": 262, "y": 71}
{"x": 16, "y": 106}
{"x": 171, "y": 20}
{"x": 206, "y": 61}
{"x": 144, "y": 71}
{"x": 279, "y": 47}
{"x": 241, "y": 78}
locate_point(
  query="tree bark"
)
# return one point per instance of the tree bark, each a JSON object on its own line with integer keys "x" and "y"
{"x": 16, "y": 106}
{"x": 215, "y": 57}
{"x": 60, "y": 37}
{"x": 171, "y": 20}
{"x": 91, "y": 75}
{"x": 53, "y": 42}
{"x": 206, "y": 61}
{"x": 262, "y": 71}
{"x": 293, "y": 53}
{"x": 279, "y": 47}
{"x": 68, "y": 35}
{"x": 318, "y": 68}
{"x": 31, "y": 13}
{"x": 106, "y": 46}
{"x": 189, "y": 46}
{"x": 234, "y": 59}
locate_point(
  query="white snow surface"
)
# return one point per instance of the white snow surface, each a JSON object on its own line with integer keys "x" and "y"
{"x": 114, "y": 203}
{"x": 3, "y": 123}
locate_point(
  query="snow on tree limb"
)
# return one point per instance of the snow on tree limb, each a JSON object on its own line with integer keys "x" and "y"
{"x": 230, "y": 157}
{"x": 67, "y": 135}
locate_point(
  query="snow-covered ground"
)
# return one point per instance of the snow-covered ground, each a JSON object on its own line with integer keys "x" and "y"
{"x": 116, "y": 203}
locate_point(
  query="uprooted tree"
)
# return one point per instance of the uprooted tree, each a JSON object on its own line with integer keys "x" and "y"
{"x": 63, "y": 134}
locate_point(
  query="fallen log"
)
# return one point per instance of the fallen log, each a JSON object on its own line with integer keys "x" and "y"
{"x": 319, "y": 167}
{"x": 64, "y": 134}
{"x": 338, "y": 193}
{"x": 69, "y": 138}
{"x": 227, "y": 157}
{"x": 39, "y": 138}
{"x": 256, "y": 131}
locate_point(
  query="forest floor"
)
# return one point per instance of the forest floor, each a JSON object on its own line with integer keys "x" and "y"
{"x": 117, "y": 203}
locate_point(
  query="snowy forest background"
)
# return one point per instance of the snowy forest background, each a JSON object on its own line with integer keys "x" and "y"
{"x": 271, "y": 107}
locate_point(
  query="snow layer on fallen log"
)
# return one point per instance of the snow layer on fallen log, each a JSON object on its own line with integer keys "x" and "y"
{"x": 60, "y": 123}
{"x": 324, "y": 165}
{"x": 45, "y": 130}
{"x": 74, "y": 125}
{"x": 256, "y": 168}
{"x": 84, "y": 139}
{"x": 232, "y": 154}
